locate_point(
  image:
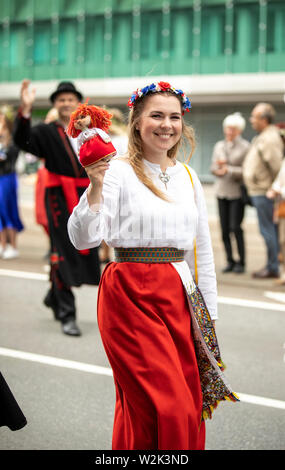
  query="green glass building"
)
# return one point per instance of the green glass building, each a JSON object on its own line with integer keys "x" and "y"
{"x": 225, "y": 54}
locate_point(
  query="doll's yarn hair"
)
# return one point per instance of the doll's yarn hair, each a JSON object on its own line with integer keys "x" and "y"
{"x": 100, "y": 118}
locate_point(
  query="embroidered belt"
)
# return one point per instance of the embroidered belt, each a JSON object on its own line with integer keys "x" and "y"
{"x": 148, "y": 255}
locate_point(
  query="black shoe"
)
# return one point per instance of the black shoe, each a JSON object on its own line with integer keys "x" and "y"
{"x": 70, "y": 328}
{"x": 228, "y": 268}
{"x": 238, "y": 268}
{"x": 49, "y": 302}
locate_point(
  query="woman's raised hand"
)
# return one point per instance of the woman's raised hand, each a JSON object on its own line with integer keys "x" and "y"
{"x": 96, "y": 172}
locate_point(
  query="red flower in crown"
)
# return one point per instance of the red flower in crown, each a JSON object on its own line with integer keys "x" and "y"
{"x": 164, "y": 86}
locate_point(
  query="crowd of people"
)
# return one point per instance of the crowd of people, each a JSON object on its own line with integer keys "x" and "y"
{"x": 246, "y": 173}
{"x": 157, "y": 302}
{"x": 252, "y": 173}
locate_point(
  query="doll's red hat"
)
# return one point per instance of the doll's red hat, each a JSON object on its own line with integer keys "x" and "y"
{"x": 94, "y": 143}
{"x": 95, "y": 149}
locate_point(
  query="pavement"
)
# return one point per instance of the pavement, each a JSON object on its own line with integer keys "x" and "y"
{"x": 33, "y": 245}
{"x": 60, "y": 381}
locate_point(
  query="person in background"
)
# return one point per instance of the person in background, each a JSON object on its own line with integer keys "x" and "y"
{"x": 11, "y": 415}
{"x": 281, "y": 127}
{"x": 40, "y": 187}
{"x": 277, "y": 193}
{"x": 260, "y": 168}
{"x": 65, "y": 182}
{"x": 10, "y": 221}
{"x": 227, "y": 159}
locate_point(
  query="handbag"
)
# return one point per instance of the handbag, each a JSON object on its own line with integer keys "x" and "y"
{"x": 280, "y": 210}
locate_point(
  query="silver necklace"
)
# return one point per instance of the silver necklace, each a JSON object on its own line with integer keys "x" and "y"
{"x": 164, "y": 177}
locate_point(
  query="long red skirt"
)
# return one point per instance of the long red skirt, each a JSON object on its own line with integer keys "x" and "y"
{"x": 145, "y": 325}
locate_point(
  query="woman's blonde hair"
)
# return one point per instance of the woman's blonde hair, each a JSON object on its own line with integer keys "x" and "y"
{"x": 135, "y": 146}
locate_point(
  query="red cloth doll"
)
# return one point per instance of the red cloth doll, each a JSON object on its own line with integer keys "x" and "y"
{"x": 89, "y": 124}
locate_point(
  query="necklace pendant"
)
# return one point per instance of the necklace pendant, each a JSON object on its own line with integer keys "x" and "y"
{"x": 164, "y": 178}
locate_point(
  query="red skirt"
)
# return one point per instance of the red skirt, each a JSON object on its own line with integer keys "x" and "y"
{"x": 145, "y": 325}
{"x": 40, "y": 210}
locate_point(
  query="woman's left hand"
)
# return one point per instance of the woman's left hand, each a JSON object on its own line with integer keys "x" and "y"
{"x": 271, "y": 194}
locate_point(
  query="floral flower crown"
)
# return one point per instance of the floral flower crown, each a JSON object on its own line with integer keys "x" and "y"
{"x": 157, "y": 87}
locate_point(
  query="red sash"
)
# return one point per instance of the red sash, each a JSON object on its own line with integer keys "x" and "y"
{"x": 69, "y": 185}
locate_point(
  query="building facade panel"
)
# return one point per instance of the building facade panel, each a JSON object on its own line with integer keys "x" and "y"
{"x": 227, "y": 54}
{"x": 138, "y": 37}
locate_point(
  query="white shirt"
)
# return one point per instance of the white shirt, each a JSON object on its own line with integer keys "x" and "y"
{"x": 130, "y": 215}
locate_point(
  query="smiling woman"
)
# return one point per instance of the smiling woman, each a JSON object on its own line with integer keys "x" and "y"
{"x": 160, "y": 128}
{"x": 157, "y": 110}
{"x": 155, "y": 320}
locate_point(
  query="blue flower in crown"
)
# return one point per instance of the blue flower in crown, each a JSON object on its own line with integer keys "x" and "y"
{"x": 187, "y": 104}
{"x": 132, "y": 99}
{"x": 178, "y": 92}
{"x": 152, "y": 87}
{"x": 145, "y": 90}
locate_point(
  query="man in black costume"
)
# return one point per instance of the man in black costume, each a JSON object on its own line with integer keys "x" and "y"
{"x": 65, "y": 182}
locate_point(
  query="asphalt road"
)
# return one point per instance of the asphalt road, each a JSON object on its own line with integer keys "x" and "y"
{"x": 70, "y": 408}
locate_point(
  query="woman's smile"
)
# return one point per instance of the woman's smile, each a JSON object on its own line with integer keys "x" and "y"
{"x": 163, "y": 136}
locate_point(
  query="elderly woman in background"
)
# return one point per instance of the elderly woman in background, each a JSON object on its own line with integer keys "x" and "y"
{"x": 227, "y": 159}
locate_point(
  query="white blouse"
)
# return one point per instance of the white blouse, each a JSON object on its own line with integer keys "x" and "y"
{"x": 130, "y": 215}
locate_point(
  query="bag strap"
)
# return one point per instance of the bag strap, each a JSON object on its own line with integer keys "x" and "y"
{"x": 195, "y": 244}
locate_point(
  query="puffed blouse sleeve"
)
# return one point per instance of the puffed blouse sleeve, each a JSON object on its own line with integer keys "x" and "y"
{"x": 207, "y": 282}
{"x": 88, "y": 226}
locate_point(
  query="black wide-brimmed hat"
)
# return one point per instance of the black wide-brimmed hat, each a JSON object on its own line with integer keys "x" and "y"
{"x": 65, "y": 87}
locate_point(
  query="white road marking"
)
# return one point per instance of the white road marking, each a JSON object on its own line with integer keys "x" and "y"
{"x": 24, "y": 275}
{"x": 262, "y": 401}
{"x": 54, "y": 361}
{"x": 221, "y": 300}
{"x": 279, "y": 296}
{"x": 251, "y": 303}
